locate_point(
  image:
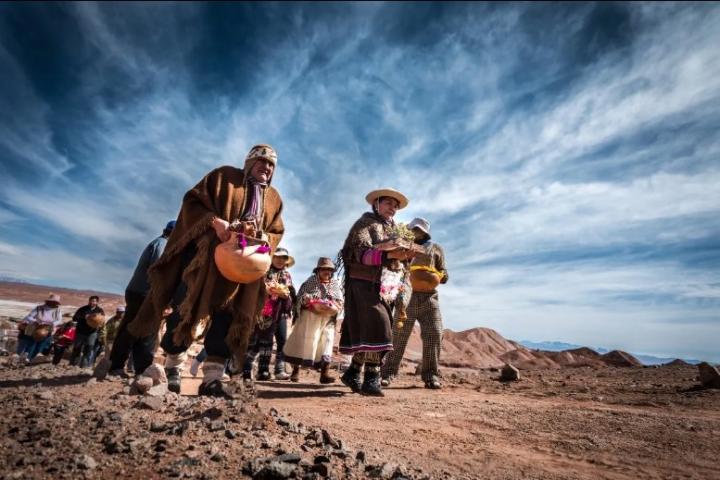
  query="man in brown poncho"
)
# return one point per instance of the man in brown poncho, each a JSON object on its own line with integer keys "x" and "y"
{"x": 186, "y": 278}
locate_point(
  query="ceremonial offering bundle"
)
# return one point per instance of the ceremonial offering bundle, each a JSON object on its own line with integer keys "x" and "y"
{"x": 401, "y": 231}
{"x": 391, "y": 284}
{"x": 243, "y": 259}
{"x": 276, "y": 289}
{"x": 322, "y": 306}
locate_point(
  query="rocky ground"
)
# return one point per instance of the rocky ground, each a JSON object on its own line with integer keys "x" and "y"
{"x": 581, "y": 423}
{"x": 58, "y": 422}
{"x": 585, "y": 422}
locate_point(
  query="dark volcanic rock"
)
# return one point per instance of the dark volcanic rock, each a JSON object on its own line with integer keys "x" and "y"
{"x": 509, "y": 373}
{"x": 709, "y": 375}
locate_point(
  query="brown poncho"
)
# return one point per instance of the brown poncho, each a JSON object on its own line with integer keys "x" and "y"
{"x": 220, "y": 193}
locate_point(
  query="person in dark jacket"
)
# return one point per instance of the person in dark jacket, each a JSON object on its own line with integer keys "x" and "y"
{"x": 142, "y": 349}
{"x": 85, "y": 335}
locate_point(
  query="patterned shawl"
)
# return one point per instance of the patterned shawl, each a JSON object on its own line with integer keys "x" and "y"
{"x": 369, "y": 230}
{"x": 314, "y": 289}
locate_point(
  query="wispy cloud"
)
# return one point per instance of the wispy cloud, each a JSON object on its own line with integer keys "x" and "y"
{"x": 566, "y": 156}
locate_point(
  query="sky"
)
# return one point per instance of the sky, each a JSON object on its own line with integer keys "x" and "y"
{"x": 566, "y": 155}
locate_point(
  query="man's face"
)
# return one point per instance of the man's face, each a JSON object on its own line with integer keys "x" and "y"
{"x": 387, "y": 207}
{"x": 279, "y": 262}
{"x": 325, "y": 274}
{"x": 93, "y": 302}
{"x": 262, "y": 171}
{"x": 419, "y": 234}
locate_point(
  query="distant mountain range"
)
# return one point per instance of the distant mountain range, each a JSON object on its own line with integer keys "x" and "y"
{"x": 560, "y": 346}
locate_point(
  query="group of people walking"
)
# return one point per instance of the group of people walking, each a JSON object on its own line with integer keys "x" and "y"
{"x": 43, "y": 332}
{"x": 178, "y": 282}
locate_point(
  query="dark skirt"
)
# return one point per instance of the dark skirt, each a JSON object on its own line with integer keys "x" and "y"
{"x": 367, "y": 324}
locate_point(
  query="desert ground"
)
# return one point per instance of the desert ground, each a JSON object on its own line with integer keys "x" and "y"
{"x": 581, "y": 419}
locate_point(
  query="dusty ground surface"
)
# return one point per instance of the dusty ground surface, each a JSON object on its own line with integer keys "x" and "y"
{"x": 58, "y": 422}
{"x": 615, "y": 423}
{"x": 578, "y": 423}
{"x": 564, "y": 423}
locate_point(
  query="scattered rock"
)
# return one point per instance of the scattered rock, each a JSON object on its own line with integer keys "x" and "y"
{"x": 158, "y": 427}
{"x": 321, "y": 469}
{"x": 151, "y": 403}
{"x": 160, "y": 445}
{"x": 327, "y": 439}
{"x": 212, "y": 413}
{"x": 709, "y": 375}
{"x": 386, "y": 470}
{"x": 159, "y": 390}
{"x": 216, "y": 425}
{"x": 142, "y": 384}
{"x": 289, "y": 458}
{"x": 340, "y": 453}
{"x": 360, "y": 456}
{"x": 156, "y": 373}
{"x": 86, "y": 462}
{"x": 45, "y": 395}
{"x": 269, "y": 469}
{"x": 509, "y": 373}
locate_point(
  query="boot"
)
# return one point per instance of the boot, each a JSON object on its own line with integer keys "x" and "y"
{"x": 433, "y": 383}
{"x": 215, "y": 388}
{"x": 295, "y": 377}
{"x": 325, "y": 376}
{"x": 351, "y": 378}
{"x": 371, "y": 384}
{"x": 173, "y": 376}
{"x": 280, "y": 373}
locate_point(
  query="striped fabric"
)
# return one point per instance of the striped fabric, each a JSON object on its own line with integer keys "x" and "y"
{"x": 372, "y": 257}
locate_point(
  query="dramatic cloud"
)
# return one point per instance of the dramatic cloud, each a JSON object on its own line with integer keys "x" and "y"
{"x": 566, "y": 154}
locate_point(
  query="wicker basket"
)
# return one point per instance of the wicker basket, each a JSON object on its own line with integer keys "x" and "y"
{"x": 242, "y": 264}
{"x": 95, "y": 320}
{"x": 40, "y": 333}
{"x": 424, "y": 281}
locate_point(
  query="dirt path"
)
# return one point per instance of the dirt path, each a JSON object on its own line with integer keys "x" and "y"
{"x": 481, "y": 428}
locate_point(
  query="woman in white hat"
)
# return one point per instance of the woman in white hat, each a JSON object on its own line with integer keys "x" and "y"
{"x": 375, "y": 282}
{"x": 311, "y": 342}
